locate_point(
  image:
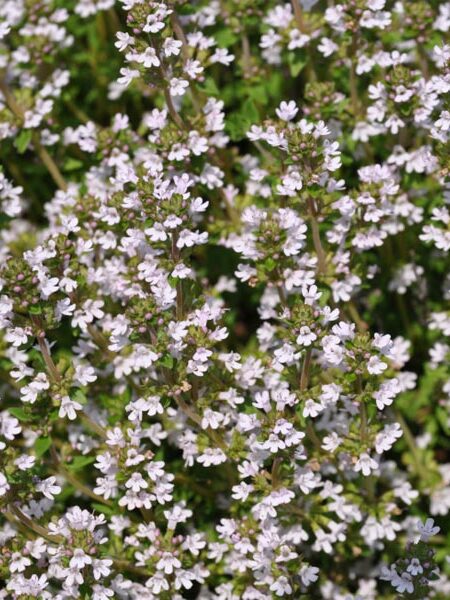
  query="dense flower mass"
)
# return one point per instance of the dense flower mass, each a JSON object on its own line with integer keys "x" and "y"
{"x": 224, "y": 299}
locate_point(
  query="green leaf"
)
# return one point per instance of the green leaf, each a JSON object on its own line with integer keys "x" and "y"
{"x": 72, "y": 164}
{"x": 238, "y": 123}
{"x": 225, "y": 38}
{"x": 102, "y": 508}
{"x": 19, "y": 413}
{"x": 167, "y": 361}
{"x": 275, "y": 84}
{"x": 442, "y": 417}
{"x": 23, "y": 140}
{"x": 79, "y": 396}
{"x": 42, "y": 445}
{"x": 210, "y": 88}
{"x": 79, "y": 462}
{"x": 411, "y": 402}
{"x": 258, "y": 93}
{"x": 250, "y": 112}
{"x": 35, "y": 309}
{"x": 296, "y": 64}
{"x": 269, "y": 264}
{"x": 53, "y": 415}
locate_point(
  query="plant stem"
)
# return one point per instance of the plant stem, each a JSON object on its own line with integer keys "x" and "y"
{"x": 282, "y": 295}
{"x": 362, "y": 410}
{"x": 353, "y": 77}
{"x": 298, "y": 14}
{"x": 179, "y": 309}
{"x": 38, "y": 529}
{"x": 276, "y": 471}
{"x": 360, "y": 323}
{"x": 51, "y": 367}
{"x": 321, "y": 256}
{"x": 84, "y": 489}
{"x": 312, "y": 435}
{"x": 45, "y": 157}
{"x": 173, "y": 112}
{"x": 246, "y": 56}
{"x": 179, "y": 32}
{"x": 363, "y": 419}
{"x": 124, "y": 565}
{"x": 93, "y": 425}
{"x": 304, "y": 376}
{"x": 231, "y": 211}
{"x": 49, "y": 163}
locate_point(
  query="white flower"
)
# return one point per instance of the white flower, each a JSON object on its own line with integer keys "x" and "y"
{"x": 281, "y": 586}
{"x": 366, "y": 464}
{"x": 327, "y": 47}
{"x": 85, "y": 374}
{"x": 48, "y": 487}
{"x": 167, "y": 563}
{"x": 18, "y": 563}
{"x": 25, "y": 462}
{"x": 287, "y": 110}
{"x": 68, "y": 408}
{"x": 172, "y": 47}
{"x": 148, "y": 58}
{"x": 403, "y": 583}
{"x": 4, "y": 485}
{"x": 178, "y": 86}
{"x": 136, "y": 483}
{"x": 427, "y": 530}
{"x": 101, "y": 593}
{"x": 79, "y": 559}
{"x": 312, "y": 409}
{"x": 123, "y": 40}
{"x": 375, "y": 366}
{"x": 17, "y": 336}
{"x": 212, "y": 456}
{"x": 309, "y": 574}
{"x": 223, "y": 56}
{"x": 306, "y": 337}
{"x": 414, "y": 567}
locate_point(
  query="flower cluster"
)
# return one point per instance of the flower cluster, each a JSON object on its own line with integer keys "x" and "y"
{"x": 224, "y": 299}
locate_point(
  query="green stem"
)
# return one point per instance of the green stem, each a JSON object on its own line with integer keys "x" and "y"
{"x": 362, "y": 411}
{"x": 179, "y": 309}
{"x": 363, "y": 419}
{"x": 276, "y": 466}
{"x": 304, "y": 376}
{"x": 38, "y": 529}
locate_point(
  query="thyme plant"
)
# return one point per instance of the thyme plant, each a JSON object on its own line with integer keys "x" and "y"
{"x": 224, "y": 299}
